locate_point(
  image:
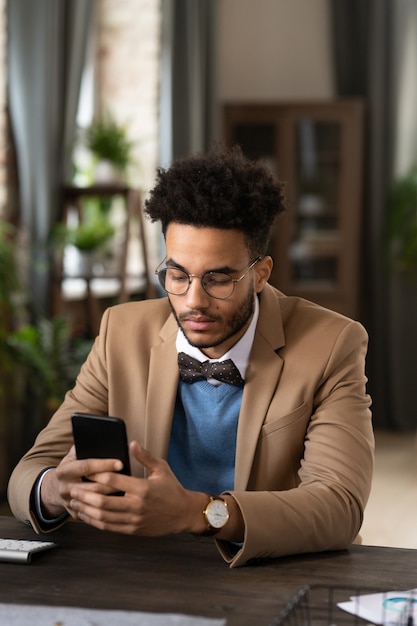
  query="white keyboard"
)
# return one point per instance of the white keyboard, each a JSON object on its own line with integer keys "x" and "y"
{"x": 21, "y": 550}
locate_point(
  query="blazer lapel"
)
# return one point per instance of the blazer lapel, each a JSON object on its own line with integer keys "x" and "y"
{"x": 162, "y": 390}
{"x": 262, "y": 379}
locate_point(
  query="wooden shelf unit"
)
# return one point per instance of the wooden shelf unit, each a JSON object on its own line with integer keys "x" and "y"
{"x": 316, "y": 149}
{"x": 117, "y": 283}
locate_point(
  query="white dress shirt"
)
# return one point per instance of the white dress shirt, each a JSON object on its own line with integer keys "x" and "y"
{"x": 239, "y": 353}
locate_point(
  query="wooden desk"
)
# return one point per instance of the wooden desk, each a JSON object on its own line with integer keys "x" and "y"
{"x": 183, "y": 574}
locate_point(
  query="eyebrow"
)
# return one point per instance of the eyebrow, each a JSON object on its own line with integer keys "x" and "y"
{"x": 226, "y": 269}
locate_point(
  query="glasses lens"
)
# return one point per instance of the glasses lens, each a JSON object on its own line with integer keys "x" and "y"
{"x": 218, "y": 285}
{"x": 174, "y": 281}
{"x": 177, "y": 282}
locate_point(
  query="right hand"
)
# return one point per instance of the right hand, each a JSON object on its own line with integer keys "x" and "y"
{"x": 57, "y": 483}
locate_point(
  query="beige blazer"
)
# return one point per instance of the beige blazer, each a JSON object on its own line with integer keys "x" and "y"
{"x": 304, "y": 452}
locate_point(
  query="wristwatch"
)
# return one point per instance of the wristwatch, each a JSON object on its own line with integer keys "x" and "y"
{"x": 215, "y": 514}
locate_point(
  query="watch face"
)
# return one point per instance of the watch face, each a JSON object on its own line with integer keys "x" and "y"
{"x": 217, "y": 513}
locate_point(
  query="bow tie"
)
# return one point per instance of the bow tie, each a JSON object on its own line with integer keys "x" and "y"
{"x": 191, "y": 370}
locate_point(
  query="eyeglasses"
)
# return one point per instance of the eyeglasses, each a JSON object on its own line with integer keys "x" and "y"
{"x": 218, "y": 285}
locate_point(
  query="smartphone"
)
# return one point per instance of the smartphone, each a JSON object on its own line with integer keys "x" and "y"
{"x": 100, "y": 437}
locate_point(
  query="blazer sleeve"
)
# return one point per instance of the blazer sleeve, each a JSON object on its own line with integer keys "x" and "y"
{"x": 55, "y": 440}
{"x": 324, "y": 509}
{"x": 112, "y": 381}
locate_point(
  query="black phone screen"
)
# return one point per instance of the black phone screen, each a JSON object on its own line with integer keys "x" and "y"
{"x": 100, "y": 437}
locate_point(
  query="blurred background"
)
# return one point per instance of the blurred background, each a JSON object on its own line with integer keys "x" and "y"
{"x": 96, "y": 94}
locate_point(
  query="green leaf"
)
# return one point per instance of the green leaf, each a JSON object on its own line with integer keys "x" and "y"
{"x": 402, "y": 224}
{"x": 109, "y": 140}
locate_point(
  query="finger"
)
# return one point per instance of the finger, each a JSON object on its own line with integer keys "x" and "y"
{"x": 91, "y": 485}
{"x": 73, "y": 473}
{"x": 81, "y": 498}
{"x": 144, "y": 457}
{"x": 110, "y": 522}
{"x": 97, "y": 515}
{"x": 90, "y": 467}
{"x": 89, "y": 506}
{"x": 109, "y": 483}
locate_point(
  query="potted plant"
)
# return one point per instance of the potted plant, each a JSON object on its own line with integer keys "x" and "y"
{"x": 39, "y": 361}
{"x": 8, "y": 275}
{"x": 401, "y": 298}
{"x": 8, "y": 380}
{"x": 89, "y": 237}
{"x": 109, "y": 143}
{"x": 402, "y": 225}
{"x": 51, "y": 357}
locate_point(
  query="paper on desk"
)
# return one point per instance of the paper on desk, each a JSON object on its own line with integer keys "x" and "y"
{"x": 392, "y": 607}
{"x": 22, "y": 615}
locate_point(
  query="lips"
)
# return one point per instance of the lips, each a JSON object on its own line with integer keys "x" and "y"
{"x": 198, "y": 323}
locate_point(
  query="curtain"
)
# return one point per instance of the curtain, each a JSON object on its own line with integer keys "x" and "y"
{"x": 46, "y": 52}
{"x": 375, "y": 45}
{"x": 187, "y": 85}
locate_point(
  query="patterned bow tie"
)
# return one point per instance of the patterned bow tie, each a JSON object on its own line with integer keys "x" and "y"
{"x": 191, "y": 370}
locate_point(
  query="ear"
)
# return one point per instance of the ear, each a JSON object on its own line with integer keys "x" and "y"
{"x": 262, "y": 272}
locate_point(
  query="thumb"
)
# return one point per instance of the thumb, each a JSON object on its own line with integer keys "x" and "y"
{"x": 71, "y": 454}
{"x": 145, "y": 458}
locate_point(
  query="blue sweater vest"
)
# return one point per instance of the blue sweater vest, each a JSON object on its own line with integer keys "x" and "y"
{"x": 203, "y": 437}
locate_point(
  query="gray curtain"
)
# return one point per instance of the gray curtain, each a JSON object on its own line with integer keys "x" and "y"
{"x": 372, "y": 44}
{"x": 46, "y": 54}
{"x": 187, "y": 85}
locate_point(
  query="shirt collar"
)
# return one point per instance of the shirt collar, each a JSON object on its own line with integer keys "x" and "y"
{"x": 239, "y": 353}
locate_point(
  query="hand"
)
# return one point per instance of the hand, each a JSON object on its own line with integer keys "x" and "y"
{"x": 153, "y": 506}
{"x": 58, "y": 483}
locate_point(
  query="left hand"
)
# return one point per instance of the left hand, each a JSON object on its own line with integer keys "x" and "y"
{"x": 153, "y": 506}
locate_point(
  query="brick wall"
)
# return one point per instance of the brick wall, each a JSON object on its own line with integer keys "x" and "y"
{"x": 127, "y": 83}
{"x": 128, "y": 75}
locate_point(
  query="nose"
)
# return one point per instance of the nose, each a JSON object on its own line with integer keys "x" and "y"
{"x": 196, "y": 296}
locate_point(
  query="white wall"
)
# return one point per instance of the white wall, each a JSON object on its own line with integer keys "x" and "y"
{"x": 273, "y": 50}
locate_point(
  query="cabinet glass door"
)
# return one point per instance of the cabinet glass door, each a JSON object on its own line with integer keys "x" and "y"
{"x": 314, "y": 250}
{"x": 258, "y": 141}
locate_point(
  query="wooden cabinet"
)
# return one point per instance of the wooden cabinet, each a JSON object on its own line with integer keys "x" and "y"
{"x": 115, "y": 272}
{"x": 316, "y": 149}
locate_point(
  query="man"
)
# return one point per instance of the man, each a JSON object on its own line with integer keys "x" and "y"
{"x": 279, "y": 461}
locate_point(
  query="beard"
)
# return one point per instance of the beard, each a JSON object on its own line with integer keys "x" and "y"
{"x": 232, "y": 327}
